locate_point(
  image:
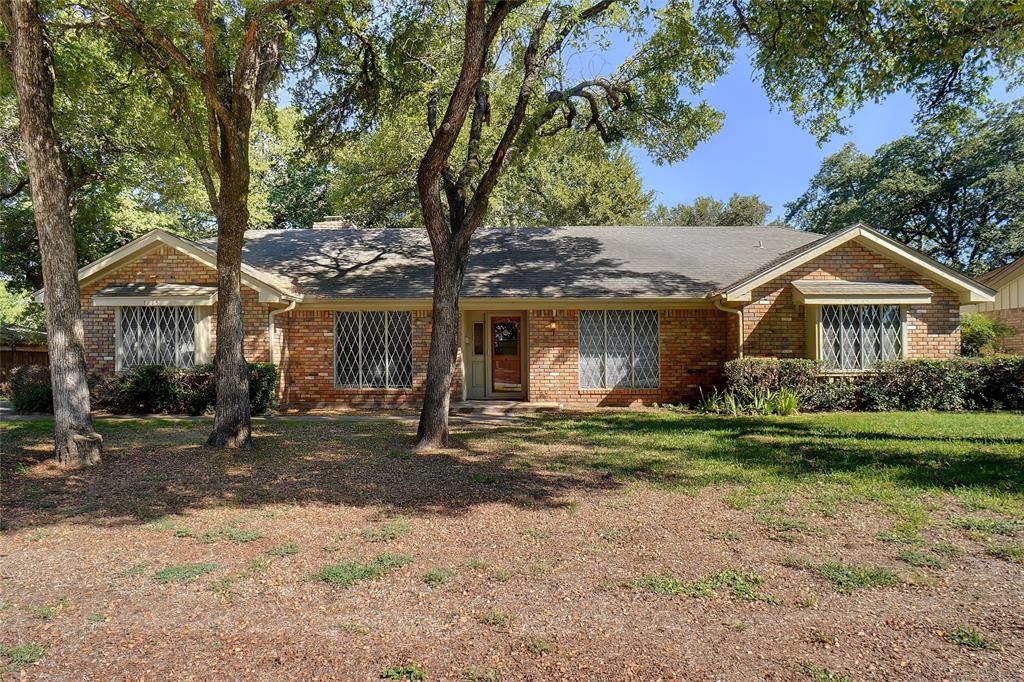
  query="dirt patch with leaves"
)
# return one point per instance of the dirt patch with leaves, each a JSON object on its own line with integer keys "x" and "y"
{"x": 331, "y": 552}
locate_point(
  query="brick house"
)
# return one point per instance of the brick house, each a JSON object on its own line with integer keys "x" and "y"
{"x": 581, "y": 316}
{"x": 1008, "y": 306}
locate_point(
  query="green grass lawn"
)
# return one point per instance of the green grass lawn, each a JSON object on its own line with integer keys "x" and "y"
{"x": 883, "y": 457}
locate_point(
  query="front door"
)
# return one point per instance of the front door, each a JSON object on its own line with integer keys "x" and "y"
{"x": 506, "y": 356}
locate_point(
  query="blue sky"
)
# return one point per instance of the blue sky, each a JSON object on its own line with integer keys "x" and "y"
{"x": 763, "y": 152}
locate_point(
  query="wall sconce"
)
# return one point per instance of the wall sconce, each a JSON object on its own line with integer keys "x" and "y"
{"x": 552, "y": 325}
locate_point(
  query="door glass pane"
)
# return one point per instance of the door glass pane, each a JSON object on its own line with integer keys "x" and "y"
{"x": 506, "y": 338}
{"x": 478, "y": 338}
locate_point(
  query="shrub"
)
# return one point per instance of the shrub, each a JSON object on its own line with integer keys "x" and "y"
{"x": 262, "y": 386}
{"x": 980, "y": 334}
{"x": 153, "y": 389}
{"x": 995, "y": 382}
{"x": 30, "y": 389}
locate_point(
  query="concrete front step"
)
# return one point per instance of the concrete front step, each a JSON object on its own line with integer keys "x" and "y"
{"x": 501, "y": 408}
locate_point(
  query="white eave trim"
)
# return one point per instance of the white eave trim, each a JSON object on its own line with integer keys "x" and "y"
{"x": 969, "y": 290}
{"x": 125, "y": 301}
{"x": 268, "y": 293}
{"x": 879, "y": 299}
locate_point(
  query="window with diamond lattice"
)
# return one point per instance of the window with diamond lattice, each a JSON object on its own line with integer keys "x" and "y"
{"x": 373, "y": 349}
{"x": 619, "y": 349}
{"x": 157, "y": 335}
{"x": 855, "y": 337}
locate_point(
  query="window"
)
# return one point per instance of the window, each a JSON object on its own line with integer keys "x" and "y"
{"x": 619, "y": 349}
{"x": 855, "y": 337}
{"x": 156, "y": 335}
{"x": 373, "y": 349}
{"x": 478, "y": 338}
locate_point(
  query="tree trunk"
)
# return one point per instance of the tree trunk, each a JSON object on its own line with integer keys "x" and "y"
{"x": 232, "y": 422}
{"x": 444, "y": 347}
{"x": 76, "y": 442}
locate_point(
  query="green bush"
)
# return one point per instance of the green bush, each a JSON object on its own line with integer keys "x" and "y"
{"x": 980, "y": 334}
{"x": 262, "y": 386}
{"x": 155, "y": 389}
{"x": 30, "y": 388}
{"x": 995, "y": 382}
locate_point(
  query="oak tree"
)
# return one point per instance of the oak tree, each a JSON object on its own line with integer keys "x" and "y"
{"x": 474, "y": 136}
{"x": 76, "y": 441}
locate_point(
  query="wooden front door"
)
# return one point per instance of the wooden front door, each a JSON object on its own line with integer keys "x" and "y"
{"x": 506, "y": 355}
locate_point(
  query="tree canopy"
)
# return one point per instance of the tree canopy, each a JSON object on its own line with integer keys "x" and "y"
{"x": 954, "y": 189}
{"x": 737, "y": 210}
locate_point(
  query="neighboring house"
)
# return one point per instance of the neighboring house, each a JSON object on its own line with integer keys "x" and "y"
{"x": 1008, "y": 306}
{"x": 582, "y": 316}
{"x": 21, "y": 346}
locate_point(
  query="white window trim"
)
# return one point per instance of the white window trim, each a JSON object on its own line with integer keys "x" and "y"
{"x": 817, "y": 336}
{"x": 632, "y": 336}
{"x": 362, "y": 385}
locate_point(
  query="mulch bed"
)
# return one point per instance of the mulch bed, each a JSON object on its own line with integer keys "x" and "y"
{"x": 538, "y": 561}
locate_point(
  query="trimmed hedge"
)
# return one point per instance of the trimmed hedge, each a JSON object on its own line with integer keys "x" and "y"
{"x": 955, "y": 384}
{"x": 156, "y": 389}
{"x": 30, "y": 388}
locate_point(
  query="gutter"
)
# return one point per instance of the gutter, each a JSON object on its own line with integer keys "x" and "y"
{"x": 739, "y": 320}
{"x": 271, "y": 327}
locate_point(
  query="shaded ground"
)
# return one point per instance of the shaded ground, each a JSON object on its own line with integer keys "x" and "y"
{"x": 595, "y": 546}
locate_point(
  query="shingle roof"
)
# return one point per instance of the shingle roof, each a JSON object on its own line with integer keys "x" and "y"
{"x": 578, "y": 262}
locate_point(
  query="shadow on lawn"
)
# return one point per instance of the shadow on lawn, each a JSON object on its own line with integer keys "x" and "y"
{"x": 156, "y": 468}
{"x": 150, "y": 469}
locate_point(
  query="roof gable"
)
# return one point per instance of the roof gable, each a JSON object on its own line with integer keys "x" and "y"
{"x": 270, "y": 287}
{"x": 969, "y": 290}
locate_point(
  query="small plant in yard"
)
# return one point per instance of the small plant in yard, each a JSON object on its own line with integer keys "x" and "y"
{"x": 48, "y": 611}
{"x": 475, "y": 674}
{"x": 183, "y": 574}
{"x": 240, "y": 535}
{"x": 741, "y": 584}
{"x": 353, "y": 628}
{"x": 965, "y": 635}
{"x": 846, "y": 578}
{"x": 609, "y": 533}
{"x": 497, "y": 618}
{"x": 921, "y": 559}
{"x": 950, "y": 551}
{"x": 286, "y": 549}
{"x": 819, "y": 674}
{"x": 409, "y": 671}
{"x": 501, "y": 575}
{"x": 389, "y": 530}
{"x": 985, "y": 526}
{"x": 437, "y": 576}
{"x": 97, "y": 617}
{"x": 1013, "y": 551}
{"x": 354, "y": 571}
{"x": 476, "y": 563}
{"x": 20, "y": 656}
{"x": 223, "y": 587}
{"x": 37, "y": 535}
{"x": 666, "y": 584}
{"x": 136, "y": 569}
{"x": 536, "y": 534}
{"x": 538, "y": 645}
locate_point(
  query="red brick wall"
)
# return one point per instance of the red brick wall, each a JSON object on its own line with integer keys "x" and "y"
{"x": 307, "y": 364}
{"x": 163, "y": 265}
{"x": 692, "y": 345}
{"x": 775, "y": 326}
